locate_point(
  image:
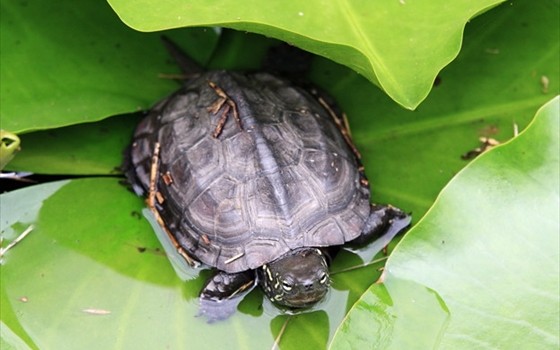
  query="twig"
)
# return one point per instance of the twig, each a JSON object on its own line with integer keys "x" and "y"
{"x": 154, "y": 170}
{"x": 16, "y": 241}
{"x": 276, "y": 344}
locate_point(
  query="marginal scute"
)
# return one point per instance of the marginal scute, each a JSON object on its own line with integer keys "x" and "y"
{"x": 327, "y": 233}
{"x": 258, "y": 251}
{"x": 280, "y": 179}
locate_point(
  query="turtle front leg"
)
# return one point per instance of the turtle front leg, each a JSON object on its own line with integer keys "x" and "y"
{"x": 383, "y": 219}
{"x": 223, "y": 292}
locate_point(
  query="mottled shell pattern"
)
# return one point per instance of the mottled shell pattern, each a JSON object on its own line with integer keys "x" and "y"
{"x": 280, "y": 177}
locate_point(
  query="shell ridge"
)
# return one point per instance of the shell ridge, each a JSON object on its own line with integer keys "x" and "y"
{"x": 270, "y": 169}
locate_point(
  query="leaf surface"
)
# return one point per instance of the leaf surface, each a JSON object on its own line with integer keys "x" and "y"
{"x": 489, "y": 248}
{"x": 80, "y": 64}
{"x": 398, "y": 45}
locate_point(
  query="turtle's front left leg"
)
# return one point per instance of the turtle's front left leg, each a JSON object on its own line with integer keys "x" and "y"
{"x": 223, "y": 292}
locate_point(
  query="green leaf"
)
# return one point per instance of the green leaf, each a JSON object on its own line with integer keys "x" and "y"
{"x": 93, "y": 270}
{"x": 409, "y": 156}
{"x": 397, "y": 315}
{"x": 82, "y": 149}
{"x": 398, "y": 45}
{"x": 492, "y": 87}
{"x": 9, "y": 146}
{"x": 79, "y": 63}
{"x": 489, "y": 248}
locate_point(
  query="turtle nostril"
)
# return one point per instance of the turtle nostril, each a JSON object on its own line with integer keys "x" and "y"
{"x": 308, "y": 286}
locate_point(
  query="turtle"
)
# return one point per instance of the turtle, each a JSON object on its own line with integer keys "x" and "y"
{"x": 256, "y": 177}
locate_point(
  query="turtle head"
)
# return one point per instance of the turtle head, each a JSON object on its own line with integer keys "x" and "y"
{"x": 299, "y": 278}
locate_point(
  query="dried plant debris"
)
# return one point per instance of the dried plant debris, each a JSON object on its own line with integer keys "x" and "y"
{"x": 545, "y": 82}
{"x": 486, "y": 143}
{"x": 15, "y": 241}
{"x": 96, "y": 311}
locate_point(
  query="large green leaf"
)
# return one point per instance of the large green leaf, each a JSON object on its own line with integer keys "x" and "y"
{"x": 82, "y": 149}
{"x": 489, "y": 248}
{"x": 398, "y": 45}
{"x": 93, "y": 269}
{"x": 409, "y": 157}
{"x": 493, "y": 84}
{"x": 66, "y": 62}
{"x": 93, "y": 275}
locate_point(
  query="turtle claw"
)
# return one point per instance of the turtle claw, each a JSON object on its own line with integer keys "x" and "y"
{"x": 217, "y": 310}
{"x": 222, "y": 293}
{"x": 382, "y": 220}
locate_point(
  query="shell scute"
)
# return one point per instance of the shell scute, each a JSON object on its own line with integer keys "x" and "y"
{"x": 279, "y": 178}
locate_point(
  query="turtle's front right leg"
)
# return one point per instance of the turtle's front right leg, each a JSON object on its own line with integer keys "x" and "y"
{"x": 382, "y": 219}
{"x": 223, "y": 292}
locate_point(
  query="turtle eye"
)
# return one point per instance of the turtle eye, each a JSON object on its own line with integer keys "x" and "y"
{"x": 324, "y": 278}
{"x": 287, "y": 286}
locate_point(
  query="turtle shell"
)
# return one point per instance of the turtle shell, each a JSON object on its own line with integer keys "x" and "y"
{"x": 279, "y": 177}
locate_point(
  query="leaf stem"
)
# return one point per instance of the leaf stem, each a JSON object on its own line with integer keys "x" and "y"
{"x": 360, "y": 266}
